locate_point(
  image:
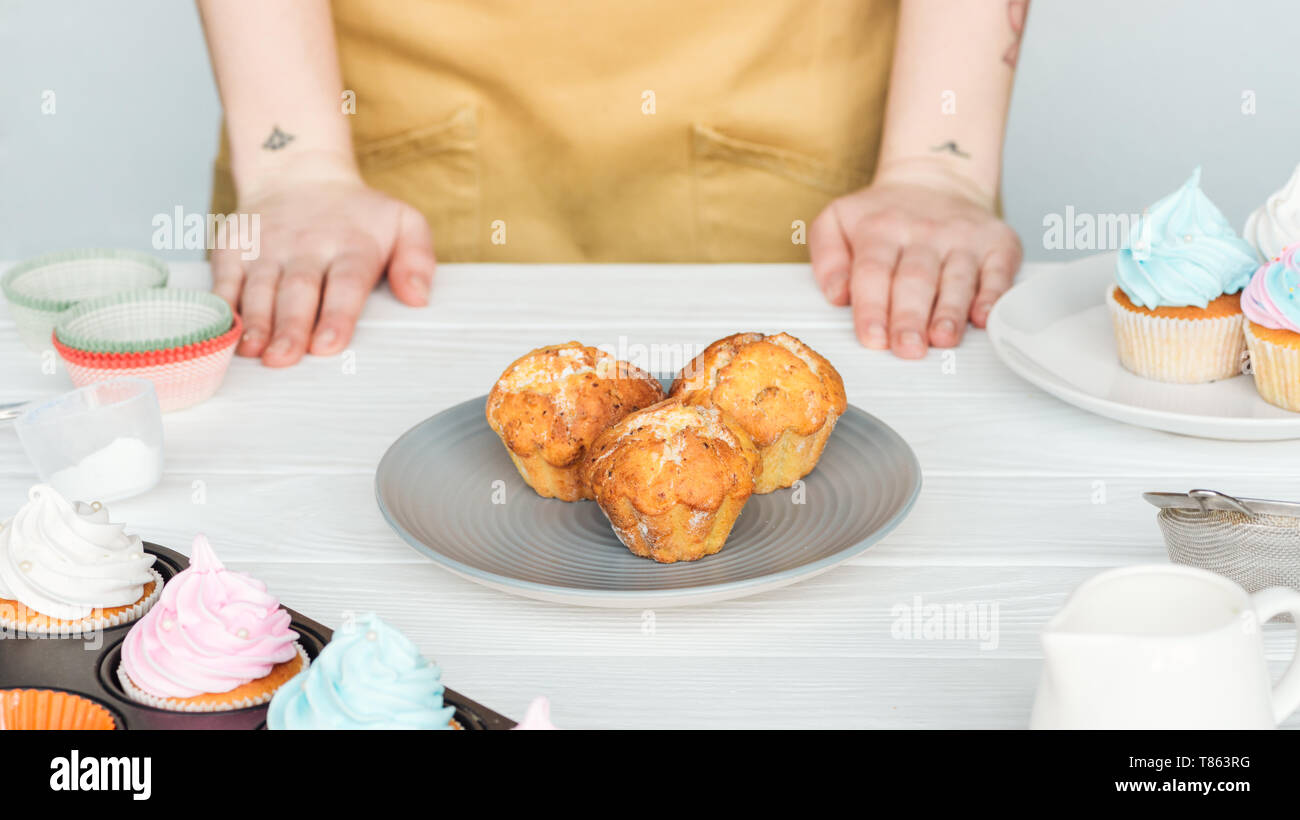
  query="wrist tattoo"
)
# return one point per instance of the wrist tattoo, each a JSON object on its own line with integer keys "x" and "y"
{"x": 950, "y": 147}
{"x": 277, "y": 140}
{"x": 1016, "y": 12}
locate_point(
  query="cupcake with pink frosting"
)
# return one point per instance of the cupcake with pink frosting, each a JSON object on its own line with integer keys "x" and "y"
{"x": 216, "y": 640}
{"x": 1271, "y": 303}
{"x": 537, "y": 718}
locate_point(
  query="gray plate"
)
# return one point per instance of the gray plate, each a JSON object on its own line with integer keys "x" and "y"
{"x": 440, "y": 486}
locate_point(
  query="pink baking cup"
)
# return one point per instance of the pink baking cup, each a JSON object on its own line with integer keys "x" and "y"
{"x": 97, "y": 359}
{"x": 182, "y": 376}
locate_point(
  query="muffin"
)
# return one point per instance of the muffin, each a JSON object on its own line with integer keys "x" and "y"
{"x": 1175, "y": 305}
{"x": 216, "y": 641}
{"x": 1273, "y": 329}
{"x": 1276, "y": 224}
{"x": 781, "y": 392}
{"x": 67, "y": 569}
{"x": 549, "y": 406}
{"x": 672, "y": 479}
{"x": 369, "y": 676}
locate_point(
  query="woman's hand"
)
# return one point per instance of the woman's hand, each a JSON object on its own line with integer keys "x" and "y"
{"x": 326, "y": 238}
{"x": 916, "y": 254}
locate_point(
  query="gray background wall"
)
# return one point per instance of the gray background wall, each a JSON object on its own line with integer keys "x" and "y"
{"x": 135, "y": 126}
{"x": 1116, "y": 101}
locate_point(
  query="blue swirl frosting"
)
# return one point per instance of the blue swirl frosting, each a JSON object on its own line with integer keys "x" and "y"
{"x": 1183, "y": 252}
{"x": 370, "y": 676}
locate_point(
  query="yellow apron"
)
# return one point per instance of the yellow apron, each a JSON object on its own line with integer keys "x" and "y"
{"x": 603, "y": 131}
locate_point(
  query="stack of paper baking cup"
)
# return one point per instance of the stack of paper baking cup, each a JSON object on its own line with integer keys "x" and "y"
{"x": 181, "y": 340}
{"x": 41, "y": 289}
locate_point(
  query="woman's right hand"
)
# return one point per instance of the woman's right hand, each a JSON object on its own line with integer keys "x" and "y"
{"x": 326, "y": 238}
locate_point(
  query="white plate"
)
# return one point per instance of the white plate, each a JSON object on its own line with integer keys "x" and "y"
{"x": 1053, "y": 330}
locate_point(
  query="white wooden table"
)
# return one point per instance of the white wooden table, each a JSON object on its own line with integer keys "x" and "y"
{"x": 1024, "y": 498}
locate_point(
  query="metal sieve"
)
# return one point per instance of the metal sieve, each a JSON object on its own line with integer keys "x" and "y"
{"x": 1249, "y": 540}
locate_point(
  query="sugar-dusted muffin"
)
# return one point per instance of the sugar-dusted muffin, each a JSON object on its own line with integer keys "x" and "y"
{"x": 549, "y": 406}
{"x": 672, "y": 478}
{"x": 780, "y": 391}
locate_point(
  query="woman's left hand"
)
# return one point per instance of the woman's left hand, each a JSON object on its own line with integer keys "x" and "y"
{"x": 916, "y": 257}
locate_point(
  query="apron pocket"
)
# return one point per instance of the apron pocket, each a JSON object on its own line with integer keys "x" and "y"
{"x": 748, "y": 197}
{"x": 435, "y": 169}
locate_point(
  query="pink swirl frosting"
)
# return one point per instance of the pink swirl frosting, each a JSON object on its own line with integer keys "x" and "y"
{"x": 211, "y": 631}
{"x": 538, "y": 717}
{"x": 1270, "y": 298}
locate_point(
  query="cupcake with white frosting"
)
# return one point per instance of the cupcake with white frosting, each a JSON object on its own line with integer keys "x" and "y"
{"x": 67, "y": 569}
{"x": 216, "y": 641}
{"x": 1276, "y": 224}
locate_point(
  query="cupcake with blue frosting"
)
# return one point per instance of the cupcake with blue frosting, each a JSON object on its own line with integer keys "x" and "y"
{"x": 1176, "y": 302}
{"x": 369, "y": 676}
{"x": 1271, "y": 303}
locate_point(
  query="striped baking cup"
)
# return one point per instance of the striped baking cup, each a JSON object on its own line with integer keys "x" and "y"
{"x": 144, "y": 321}
{"x": 182, "y": 376}
{"x": 41, "y": 289}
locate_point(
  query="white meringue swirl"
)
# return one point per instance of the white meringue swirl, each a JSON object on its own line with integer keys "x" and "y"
{"x": 1276, "y": 223}
{"x": 65, "y": 560}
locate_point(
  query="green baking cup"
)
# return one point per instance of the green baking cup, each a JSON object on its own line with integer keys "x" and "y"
{"x": 39, "y": 290}
{"x": 142, "y": 321}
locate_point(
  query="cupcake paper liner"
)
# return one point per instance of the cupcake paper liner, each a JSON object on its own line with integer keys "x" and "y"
{"x": 1183, "y": 351}
{"x": 34, "y": 326}
{"x": 174, "y": 705}
{"x": 180, "y": 383}
{"x": 51, "y": 709}
{"x": 142, "y": 321}
{"x": 88, "y": 358}
{"x": 90, "y": 624}
{"x": 41, "y": 289}
{"x": 1277, "y": 371}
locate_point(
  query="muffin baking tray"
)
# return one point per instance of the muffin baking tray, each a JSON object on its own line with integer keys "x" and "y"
{"x": 87, "y": 667}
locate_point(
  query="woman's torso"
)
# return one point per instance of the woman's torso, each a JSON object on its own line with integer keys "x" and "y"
{"x": 590, "y": 131}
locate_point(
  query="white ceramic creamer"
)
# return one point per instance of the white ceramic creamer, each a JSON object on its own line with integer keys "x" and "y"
{"x": 1163, "y": 647}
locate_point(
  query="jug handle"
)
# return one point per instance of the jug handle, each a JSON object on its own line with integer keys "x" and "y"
{"x": 1268, "y": 603}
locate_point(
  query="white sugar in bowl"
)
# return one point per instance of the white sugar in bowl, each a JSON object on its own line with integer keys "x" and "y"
{"x": 102, "y": 442}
